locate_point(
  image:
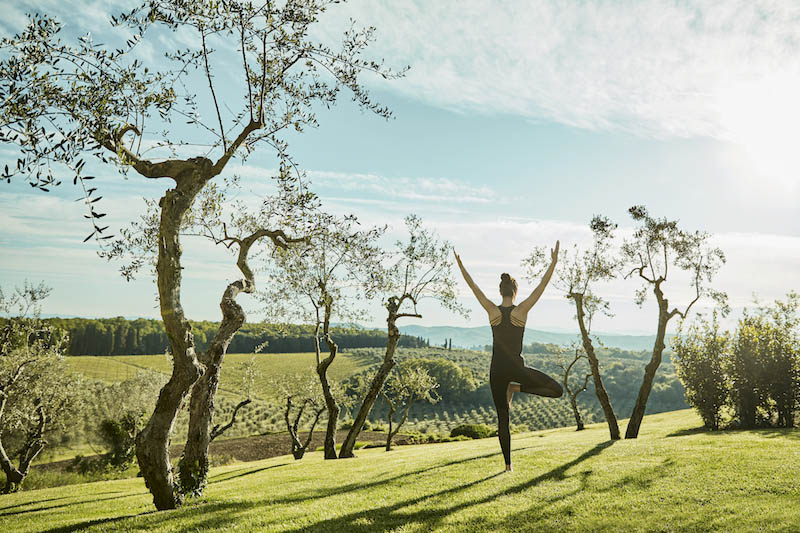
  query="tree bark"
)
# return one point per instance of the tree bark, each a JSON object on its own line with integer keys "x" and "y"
{"x": 578, "y": 420}
{"x": 333, "y": 411}
{"x": 193, "y": 466}
{"x": 402, "y": 421}
{"x": 635, "y": 422}
{"x": 377, "y": 382}
{"x": 322, "y": 372}
{"x": 34, "y": 444}
{"x": 299, "y": 448}
{"x": 599, "y": 388}
{"x": 393, "y": 337}
{"x": 152, "y": 443}
{"x": 389, "y": 435}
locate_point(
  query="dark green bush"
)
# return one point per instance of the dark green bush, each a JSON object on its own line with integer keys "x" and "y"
{"x": 473, "y": 431}
{"x": 119, "y": 436}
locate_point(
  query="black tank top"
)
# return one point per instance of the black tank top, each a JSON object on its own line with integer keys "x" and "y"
{"x": 507, "y": 346}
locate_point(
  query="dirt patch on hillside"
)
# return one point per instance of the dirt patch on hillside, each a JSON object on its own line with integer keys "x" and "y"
{"x": 264, "y": 446}
{"x": 252, "y": 448}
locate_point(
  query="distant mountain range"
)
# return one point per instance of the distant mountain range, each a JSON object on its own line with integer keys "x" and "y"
{"x": 482, "y": 335}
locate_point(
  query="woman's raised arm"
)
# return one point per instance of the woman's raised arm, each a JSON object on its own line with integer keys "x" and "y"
{"x": 487, "y": 304}
{"x": 526, "y": 304}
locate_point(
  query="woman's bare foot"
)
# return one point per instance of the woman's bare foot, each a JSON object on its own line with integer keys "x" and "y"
{"x": 510, "y": 390}
{"x": 509, "y": 469}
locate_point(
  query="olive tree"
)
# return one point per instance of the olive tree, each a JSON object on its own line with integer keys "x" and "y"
{"x": 420, "y": 268}
{"x": 407, "y": 384}
{"x": 38, "y": 393}
{"x": 118, "y": 411}
{"x": 656, "y": 245}
{"x": 323, "y": 281}
{"x": 577, "y": 273}
{"x": 571, "y": 387}
{"x": 250, "y": 373}
{"x": 66, "y": 102}
{"x": 242, "y": 232}
{"x": 303, "y": 396}
{"x": 245, "y": 232}
{"x": 784, "y": 365}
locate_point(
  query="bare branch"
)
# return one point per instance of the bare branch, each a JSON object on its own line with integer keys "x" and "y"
{"x": 217, "y": 431}
{"x": 211, "y": 87}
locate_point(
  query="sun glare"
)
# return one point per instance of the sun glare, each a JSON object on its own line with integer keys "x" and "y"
{"x": 763, "y": 117}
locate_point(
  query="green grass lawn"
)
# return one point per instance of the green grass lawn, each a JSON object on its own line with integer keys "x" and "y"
{"x": 269, "y": 365}
{"x": 671, "y": 479}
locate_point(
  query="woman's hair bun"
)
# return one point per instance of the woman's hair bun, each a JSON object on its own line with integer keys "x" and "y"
{"x": 508, "y": 285}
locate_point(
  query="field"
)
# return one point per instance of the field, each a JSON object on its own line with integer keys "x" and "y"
{"x": 673, "y": 478}
{"x": 269, "y": 368}
{"x": 265, "y": 414}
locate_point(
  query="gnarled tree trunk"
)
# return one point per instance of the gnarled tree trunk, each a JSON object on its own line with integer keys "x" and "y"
{"x": 33, "y": 445}
{"x": 372, "y": 394}
{"x": 193, "y": 467}
{"x": 329, "y": 444}
{"x": 299, "y": 448}
{"x": 393, "y": 432}
{"x": 632, "y": 431}
{"x": 594, "y": 365}
{"x": 575, "y": 411}
{"x": 377, "y": 382}
{"x": 152, "y": 443}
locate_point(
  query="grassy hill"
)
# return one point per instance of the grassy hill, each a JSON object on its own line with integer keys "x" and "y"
{"x": 672, "y": 478}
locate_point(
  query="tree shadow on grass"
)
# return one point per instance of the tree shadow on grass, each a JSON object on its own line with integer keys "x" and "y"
{"x": 33, "y": 502}
{"x": 325, "y": 492}
{"x": 689, "y": 431}
{"x": 216, "y": 479}
{"x": 392, "y": 516}
{"x": 640, "y": 480}
{"x": 791, "y": 433}
{"x": 223, "y": 513}
{"x": 50, "y": 507}
{"x": 89, "y": 523}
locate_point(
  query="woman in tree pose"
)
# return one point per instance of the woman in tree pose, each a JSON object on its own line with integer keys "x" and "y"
{"x": 508, "y": 373}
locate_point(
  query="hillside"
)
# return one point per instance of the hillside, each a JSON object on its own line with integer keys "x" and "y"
{"x": 482, "y": 336}
{"x": 672, "y": 478}
{"x": 265, "y": 414}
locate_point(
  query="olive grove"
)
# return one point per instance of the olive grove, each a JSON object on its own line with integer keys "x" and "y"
{"x": 66, "y": 103}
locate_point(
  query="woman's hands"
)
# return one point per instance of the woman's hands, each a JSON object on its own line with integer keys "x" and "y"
{"x": 553, "y": 253}
{"x": 458, "y": 259}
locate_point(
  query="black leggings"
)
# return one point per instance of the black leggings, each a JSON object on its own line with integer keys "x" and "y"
{"x": 531, "y": 381}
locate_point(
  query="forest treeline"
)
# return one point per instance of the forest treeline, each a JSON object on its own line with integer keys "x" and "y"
{"x": 120, "y": 336}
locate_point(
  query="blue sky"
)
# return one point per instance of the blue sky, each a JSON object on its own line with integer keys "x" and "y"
{"x": 515, "y": 124}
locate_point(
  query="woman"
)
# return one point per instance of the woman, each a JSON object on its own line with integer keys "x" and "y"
{"x": 508, "y": 373}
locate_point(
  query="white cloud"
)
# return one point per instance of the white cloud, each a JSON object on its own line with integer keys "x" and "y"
{"x": 403, "y": 188}
{"x": 653, "y": 67}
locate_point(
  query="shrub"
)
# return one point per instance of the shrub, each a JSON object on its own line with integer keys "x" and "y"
{"x": 699, "y": 358}
{"x": 119, "y": 437}
{"x": 754, "y": 372}
{"x": 473, "y": 431}
{"x": 430, "y": 438}
{"x": 516, "y": 428}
